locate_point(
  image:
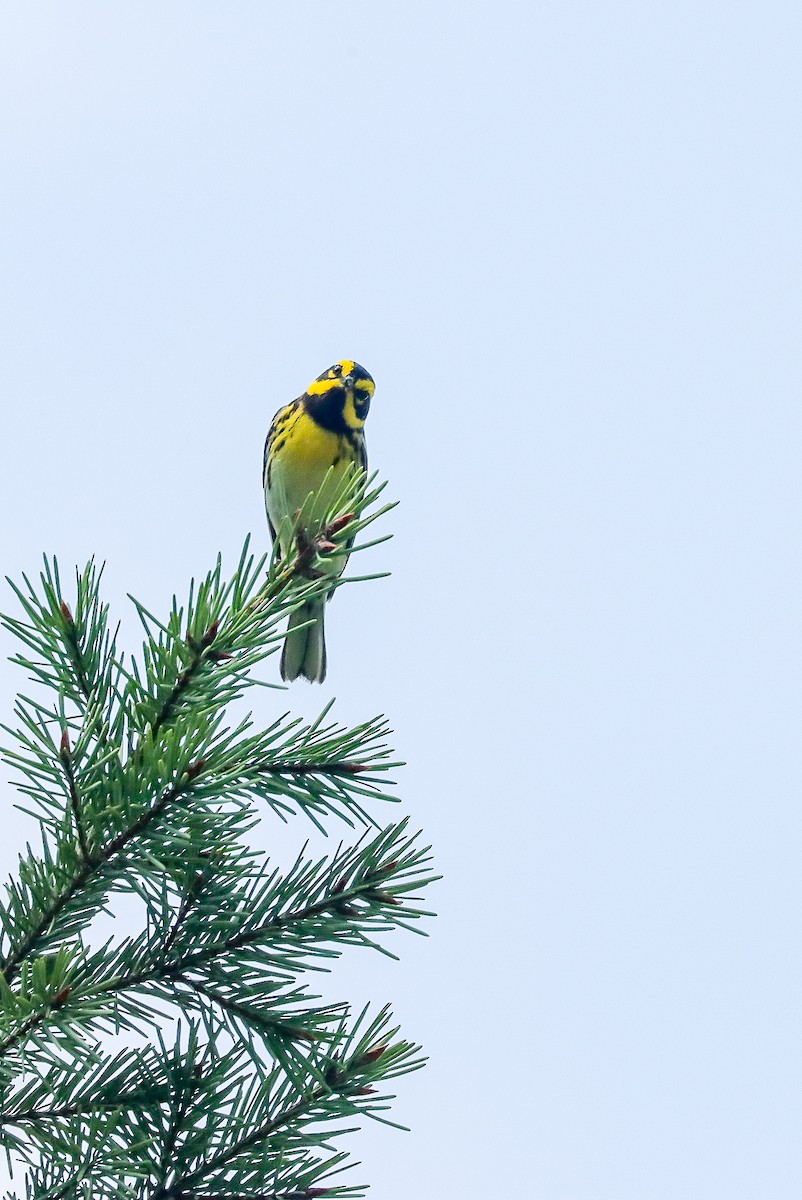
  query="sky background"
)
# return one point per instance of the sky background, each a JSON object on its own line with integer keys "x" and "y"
{"x": 565, "y": 240}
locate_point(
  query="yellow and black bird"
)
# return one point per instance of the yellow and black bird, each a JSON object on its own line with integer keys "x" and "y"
{"x": 319, "y": 435}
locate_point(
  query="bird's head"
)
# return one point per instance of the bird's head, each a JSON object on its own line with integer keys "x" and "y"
{"x": 340, "y": 398}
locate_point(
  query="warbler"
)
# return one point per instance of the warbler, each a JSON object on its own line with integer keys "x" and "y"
{"x": 315, "y": 438}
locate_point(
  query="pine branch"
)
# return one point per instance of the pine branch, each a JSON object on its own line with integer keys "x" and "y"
{"x": 139, "y": 785}
{"x": 93, "y": 864}
{"x": 189, "y": 900}
{"x": 216, "y": 657}
{"x": 75, "y": 801}
{"x": 72, "y": 650}
{"x": 224, "y": 774}
{"x": 272, "y": 1122}
{"x": 363, "y": 888}
{"x": 105, "y": 1086}
{"x": 256, "y": 936}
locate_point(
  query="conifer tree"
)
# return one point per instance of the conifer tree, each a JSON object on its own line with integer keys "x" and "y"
{"x": 190, "y": 1060}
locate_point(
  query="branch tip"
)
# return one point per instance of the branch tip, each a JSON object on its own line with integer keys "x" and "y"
{"x": 303, "y": 1035}
{"x": 381, "y": 897}
{"x": 194, "y": 769}
{"x": 210, "y": 634}
{"x": 372, "y": 1056}
{"x": 339, "y": 523}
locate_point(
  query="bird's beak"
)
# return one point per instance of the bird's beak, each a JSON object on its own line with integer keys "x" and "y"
{"x": 349, "y": 381}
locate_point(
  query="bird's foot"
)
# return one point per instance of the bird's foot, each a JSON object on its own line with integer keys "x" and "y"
{"x": 310, "y": 547}
{"x": 324, "y": 541}
{"x": 307, "y": 551}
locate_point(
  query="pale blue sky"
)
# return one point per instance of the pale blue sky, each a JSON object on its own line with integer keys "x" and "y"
{"x": 565, "y": 239}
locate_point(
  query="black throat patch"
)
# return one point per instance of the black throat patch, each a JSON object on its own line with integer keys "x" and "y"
{"x": 327, "y": 409}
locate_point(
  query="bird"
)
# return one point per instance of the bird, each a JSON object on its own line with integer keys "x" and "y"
{"x": 320, "y": 436}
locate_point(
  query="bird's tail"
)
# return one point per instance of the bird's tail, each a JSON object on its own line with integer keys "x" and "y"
{"x": 304, "y": 653}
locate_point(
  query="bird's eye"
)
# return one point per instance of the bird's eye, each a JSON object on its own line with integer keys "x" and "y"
{"x": 336, "y": 371}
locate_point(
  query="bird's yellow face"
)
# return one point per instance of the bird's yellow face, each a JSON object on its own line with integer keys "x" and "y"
{"x": 339, "y": 399}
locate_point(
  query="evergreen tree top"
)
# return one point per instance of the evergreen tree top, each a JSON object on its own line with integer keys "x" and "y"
{"x": 236, "y": 1082}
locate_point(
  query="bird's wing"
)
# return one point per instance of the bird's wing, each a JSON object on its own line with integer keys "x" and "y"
{"x": 277, "y": 427}
{"x": 360, "y": 449}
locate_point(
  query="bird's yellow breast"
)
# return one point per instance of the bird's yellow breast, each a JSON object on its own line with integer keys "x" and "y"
{"x": 301, "y": 455}
{"x": 309, "y": 448}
